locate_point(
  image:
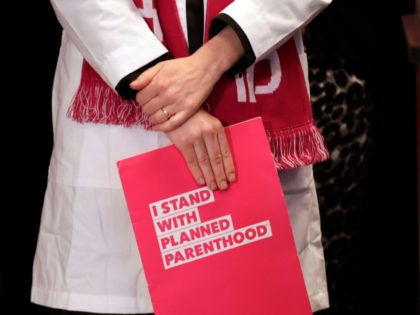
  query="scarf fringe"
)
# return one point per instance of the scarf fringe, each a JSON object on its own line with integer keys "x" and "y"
{"x": 96, "y": 102}
{"x": 298, "y": 146}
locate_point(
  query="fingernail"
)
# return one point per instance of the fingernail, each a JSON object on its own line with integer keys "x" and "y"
{"x": 213, "y": 186}
{"x": 232, "y": 177}
{"x": 201, "y": 181}
{"x": 223, "y": 185}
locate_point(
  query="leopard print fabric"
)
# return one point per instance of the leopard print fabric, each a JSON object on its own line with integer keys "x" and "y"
{"x": 343, "y": 112}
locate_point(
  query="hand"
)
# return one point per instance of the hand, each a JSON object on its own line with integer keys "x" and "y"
{"x": 203, "y": 143}
{"x": 174, "y": 89}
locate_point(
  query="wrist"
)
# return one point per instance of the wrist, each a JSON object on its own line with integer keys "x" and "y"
{"x": 221, "y": 52}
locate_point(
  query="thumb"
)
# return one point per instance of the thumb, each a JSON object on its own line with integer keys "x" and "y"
{"x": 145, "y": 78}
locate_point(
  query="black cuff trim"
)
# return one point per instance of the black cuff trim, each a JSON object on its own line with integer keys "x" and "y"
{"x": 123, "y": 87}
{"x": 219, "y": 23}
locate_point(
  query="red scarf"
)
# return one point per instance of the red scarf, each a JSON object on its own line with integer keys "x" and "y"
{"x": 280, "y": 97}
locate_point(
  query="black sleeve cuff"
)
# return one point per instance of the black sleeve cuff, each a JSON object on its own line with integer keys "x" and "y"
{"x": 123, "y": 87}
{"x": 219, "y": 23}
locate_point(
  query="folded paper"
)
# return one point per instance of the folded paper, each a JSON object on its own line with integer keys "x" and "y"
{"x": 215, "y": 252}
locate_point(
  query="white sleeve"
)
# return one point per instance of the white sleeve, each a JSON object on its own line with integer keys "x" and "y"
{"x": 110, "y": 34}
{"x": 269, "y": 23}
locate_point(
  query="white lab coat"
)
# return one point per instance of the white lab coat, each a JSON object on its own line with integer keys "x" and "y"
{"x": 86, "y": 257}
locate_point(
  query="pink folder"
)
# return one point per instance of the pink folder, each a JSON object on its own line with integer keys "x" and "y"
{"x": 215, "y": 252}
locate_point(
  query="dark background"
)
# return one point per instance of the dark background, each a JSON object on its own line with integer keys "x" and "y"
{"x": 380, "y": 274}
{"x": 378, "y": 269}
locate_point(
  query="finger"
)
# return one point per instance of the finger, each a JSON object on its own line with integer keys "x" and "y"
{"x": 154, "y": 105}
{"x": 156, "y": 119}
{"x": 178, "y": 117}
{"x": 161, "y": 116}
{"x": 204, "y": 164}
{"x": 216, "y": 159}
{"x": 191, "y": 160}
{"x": 228, "y": 164}
{"x": 172, "y": 123}
{"x": 146, "y": 95}
{"x": 145, "y": 78}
